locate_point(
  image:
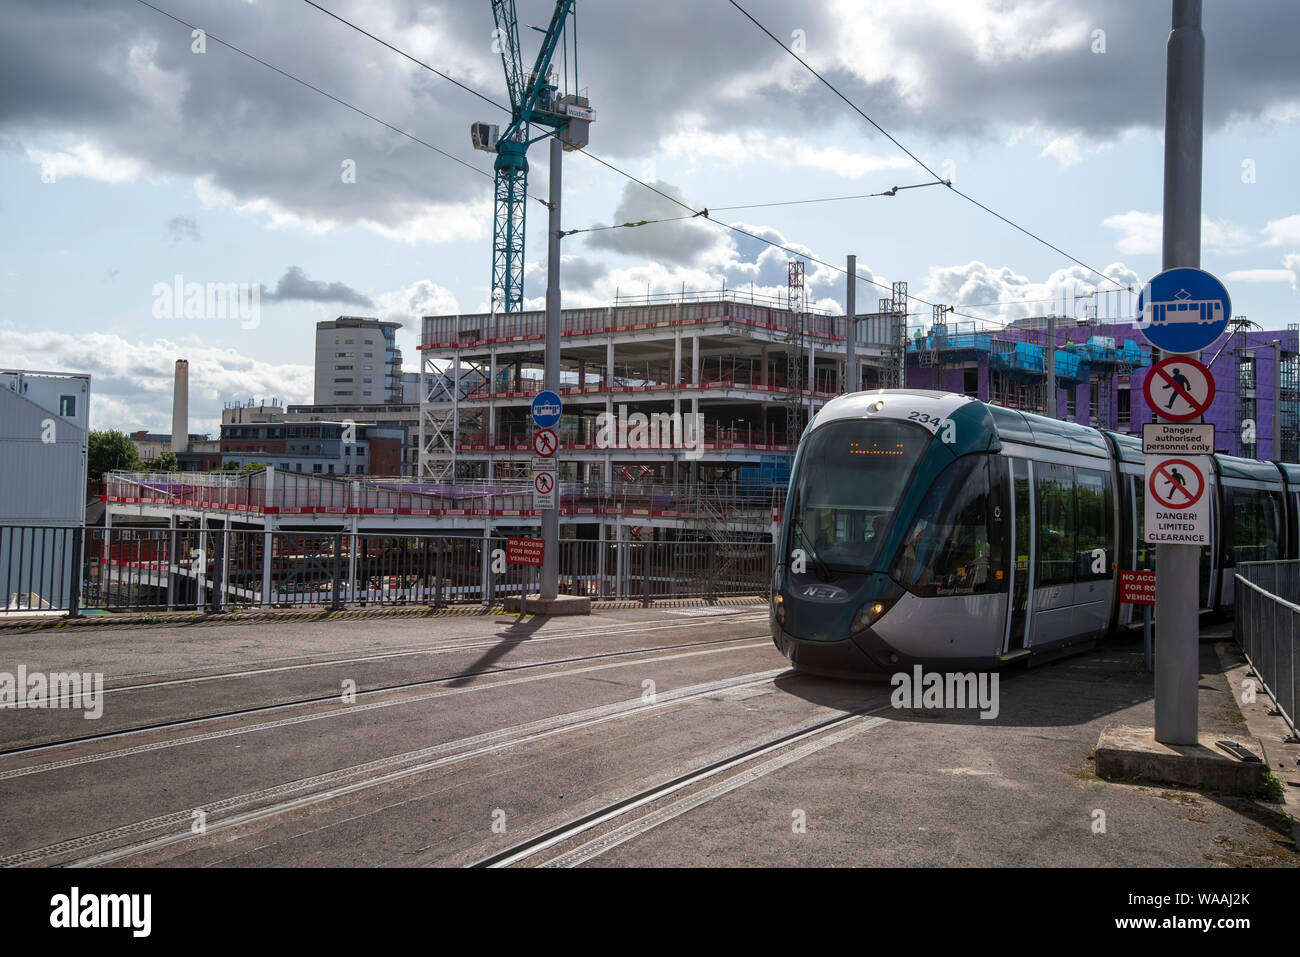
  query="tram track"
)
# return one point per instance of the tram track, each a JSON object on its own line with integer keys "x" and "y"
{"x": 174, "y": 828}
{"x": 468, "y": 644}
{"x": 750, "y": 765}
{"x": 335, "y": 697}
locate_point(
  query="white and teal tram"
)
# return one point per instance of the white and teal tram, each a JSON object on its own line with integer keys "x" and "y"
{"x": 930, "y": 528}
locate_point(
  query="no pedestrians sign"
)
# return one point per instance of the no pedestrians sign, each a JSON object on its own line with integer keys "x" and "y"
{"x": 1177, "y": 506}
{"x": 1179, "y": 388}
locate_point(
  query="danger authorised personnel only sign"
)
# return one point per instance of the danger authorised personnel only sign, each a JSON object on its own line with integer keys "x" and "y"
{"x": 1177, "y": 438}
{"x": 1177, "y": 508}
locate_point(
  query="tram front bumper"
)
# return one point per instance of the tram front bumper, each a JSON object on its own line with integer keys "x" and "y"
{"x": 838, "y": 659}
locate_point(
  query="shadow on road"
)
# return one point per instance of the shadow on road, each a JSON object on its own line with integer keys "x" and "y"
{"x": 513, "y": 635}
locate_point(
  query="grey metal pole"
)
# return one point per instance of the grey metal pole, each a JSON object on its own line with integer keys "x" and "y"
{"x": 550, "y": 577}
{"x": 1178, "y": 566}
{"x": 1277, "y": 400}
{"x": 850, "y": 327}
{"x": 1051, "y": 367}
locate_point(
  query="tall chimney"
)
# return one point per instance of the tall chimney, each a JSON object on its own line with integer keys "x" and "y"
{"x": 181, "y": 408}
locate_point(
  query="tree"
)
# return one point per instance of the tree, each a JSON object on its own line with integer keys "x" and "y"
{"x": 110, "y": 450}
{"x": 167, "y": 462}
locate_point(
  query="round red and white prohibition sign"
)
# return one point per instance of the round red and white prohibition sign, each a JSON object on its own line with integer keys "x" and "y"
{"x": 1176, "y": 484}
{"x": 1178, "y": 388}
{"x": 543, "y": 482}
{"x": 545, "y": 443}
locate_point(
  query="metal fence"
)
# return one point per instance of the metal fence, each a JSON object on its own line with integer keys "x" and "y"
{"x": 1267, "y": 627}
{"x": 76, "y": 570}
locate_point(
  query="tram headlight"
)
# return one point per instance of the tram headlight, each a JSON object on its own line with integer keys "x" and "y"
{"x": 869, "y": 614}
{"x": 778, "y": 606}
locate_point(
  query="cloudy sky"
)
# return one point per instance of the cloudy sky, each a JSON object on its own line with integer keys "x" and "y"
{"x": 130, "y": 158}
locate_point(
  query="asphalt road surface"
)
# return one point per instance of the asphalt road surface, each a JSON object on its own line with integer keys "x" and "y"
{"x": 651, "y": 737}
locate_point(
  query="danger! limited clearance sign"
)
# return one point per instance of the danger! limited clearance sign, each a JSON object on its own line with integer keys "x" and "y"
{"x": 1177, "y": 508}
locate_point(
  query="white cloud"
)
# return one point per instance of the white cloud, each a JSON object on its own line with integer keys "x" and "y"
{"x": 421, "y": 298}
{"x": 693, "y": 143}
{"x": 1012, "y": 295}
{"x": 1283, "y": 232}
{"x": 882, "y": 48}
{"x": 1142, "y": 233}
{"x": 1066, "y": 150}
{"x": 131, "y": 382}
{"x": 86, "y": 161}
{"x": 1259, "y": 275}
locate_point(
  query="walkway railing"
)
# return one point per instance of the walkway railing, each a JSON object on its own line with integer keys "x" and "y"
{"x": 296, "y": 494}
{"x": 76, "y": 570}
{"x": 1267, "y": 628}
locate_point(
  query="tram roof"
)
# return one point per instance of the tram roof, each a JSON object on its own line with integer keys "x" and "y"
{"x": 1025, "y": 427}
{"x": 1230, "y": 466}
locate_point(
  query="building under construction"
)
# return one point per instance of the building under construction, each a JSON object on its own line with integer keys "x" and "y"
{"x": 1100, "y": 369}
{"x": 725, "y": 384}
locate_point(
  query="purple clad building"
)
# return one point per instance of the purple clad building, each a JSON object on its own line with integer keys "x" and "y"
{"x": 1100, "y": 371}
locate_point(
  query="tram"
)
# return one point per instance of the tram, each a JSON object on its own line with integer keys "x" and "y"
{"x": 933, "y": 529}
{"x": 1182, "y": 311}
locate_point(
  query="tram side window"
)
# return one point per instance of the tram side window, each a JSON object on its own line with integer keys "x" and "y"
{"x": 1093, "y": 554}
{"x": 1056, "y": 528}
{"x": 1256, "y": 525}
{"x": 1146, "y": 554}
{"x": 955, "y": 544}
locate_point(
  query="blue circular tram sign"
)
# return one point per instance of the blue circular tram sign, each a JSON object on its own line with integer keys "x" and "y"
{"x": 1183, "y": 310}
{"x": 546, "y": 409}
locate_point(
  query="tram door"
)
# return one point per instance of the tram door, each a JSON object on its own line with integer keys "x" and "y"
{"x": 1021, "y": 554}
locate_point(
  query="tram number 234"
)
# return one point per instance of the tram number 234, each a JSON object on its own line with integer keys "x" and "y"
{"x": 946, "y": 428}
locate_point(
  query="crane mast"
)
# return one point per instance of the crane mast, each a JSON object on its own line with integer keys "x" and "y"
{"x": 533, "y": 102}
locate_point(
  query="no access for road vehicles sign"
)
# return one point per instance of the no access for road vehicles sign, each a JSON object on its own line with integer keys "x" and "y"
{"x": 1177, "y": 505}
{"x": 1178, "y": 388}
{"x": 1183, "y": 310}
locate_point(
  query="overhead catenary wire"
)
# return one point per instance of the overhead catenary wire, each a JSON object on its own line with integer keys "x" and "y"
{"x": 703, "y": 211}
{"x": 330, "y": 96}
{"x": 450, "y": 79}
{"x": 892, "y": 191}
{"x": 853, "y": 106}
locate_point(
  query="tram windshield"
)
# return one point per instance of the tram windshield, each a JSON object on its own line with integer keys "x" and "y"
{"x": 852, "y": 474}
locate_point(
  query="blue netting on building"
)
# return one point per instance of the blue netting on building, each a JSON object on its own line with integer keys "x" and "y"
{"x": 1024, "y": 358}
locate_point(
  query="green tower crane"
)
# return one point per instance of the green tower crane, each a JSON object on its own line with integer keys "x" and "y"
{"x": 534, "y": 101}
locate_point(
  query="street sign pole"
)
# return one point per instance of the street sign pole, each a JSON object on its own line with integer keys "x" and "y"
{"x": 550, "y": 577}
{"x": 1177, "y": 661}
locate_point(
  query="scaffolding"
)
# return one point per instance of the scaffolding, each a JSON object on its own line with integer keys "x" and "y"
{"x": 893, "y": 372}
{"x": 795, "y": 301}
{"x": 1288, "y": 410}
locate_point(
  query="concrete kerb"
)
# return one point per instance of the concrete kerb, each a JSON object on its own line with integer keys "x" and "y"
{"x": 1280, "y": 749}
{"x": 559, "y": 605}
{"x": 1126, "y": 753}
